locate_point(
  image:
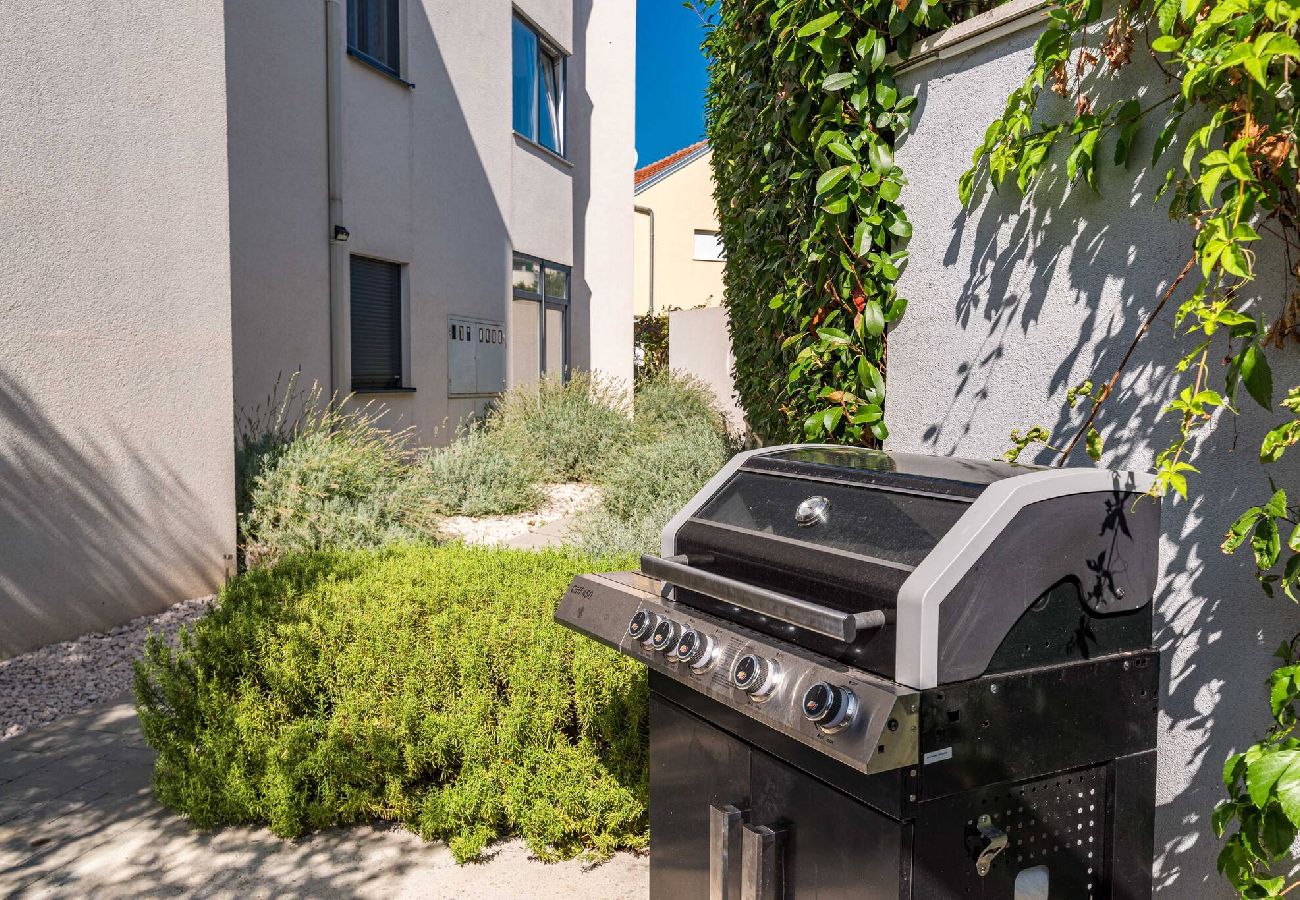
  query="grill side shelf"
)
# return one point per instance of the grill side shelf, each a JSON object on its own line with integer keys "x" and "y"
{"x": 882, "y": 736}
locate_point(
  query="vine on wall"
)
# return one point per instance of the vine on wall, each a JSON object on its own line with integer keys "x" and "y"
{"x": 802, "y": 116}
{"x": 1224, "y": 125}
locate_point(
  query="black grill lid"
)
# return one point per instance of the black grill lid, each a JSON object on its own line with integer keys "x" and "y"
{"x": 911, "y": 472}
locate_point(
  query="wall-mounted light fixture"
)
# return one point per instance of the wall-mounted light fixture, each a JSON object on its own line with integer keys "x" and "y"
{"x": 341, "y": 233}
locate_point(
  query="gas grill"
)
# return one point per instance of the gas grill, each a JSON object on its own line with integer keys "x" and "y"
{"x": 879, "y": 675}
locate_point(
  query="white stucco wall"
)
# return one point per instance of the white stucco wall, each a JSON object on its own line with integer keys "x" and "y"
{"x": 603, "y": 96}
{"x": 1010, "y": 305}
{"x": 116, "y": 456}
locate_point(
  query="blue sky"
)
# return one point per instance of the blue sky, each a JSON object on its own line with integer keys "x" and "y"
{"x": 670, "y": 79}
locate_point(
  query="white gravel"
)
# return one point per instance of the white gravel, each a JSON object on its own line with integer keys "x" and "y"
{"x": 562, "y": 501}
{"x": 56, "y": 681}
{"x": 45, "y": 685}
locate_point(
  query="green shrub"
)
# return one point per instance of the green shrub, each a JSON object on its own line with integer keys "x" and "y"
{"x": 667, "y": 401}
{"x": 569, "y": 430}
{"x": 424, "y": 685}
{"x": 477, "y": 475}
{"x": 666, "y": 471}
{"x": 338, "y": 480}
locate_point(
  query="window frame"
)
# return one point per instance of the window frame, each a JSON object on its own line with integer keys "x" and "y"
{"x": 548, "y": 52}
{"x": 402, "y": 378}
{"x": 545, "y": 302}
{"x": 394, "y": 38}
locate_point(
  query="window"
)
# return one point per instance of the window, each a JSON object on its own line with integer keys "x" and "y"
{"x": 374, "y": 32}
{"x": 376, "y": 324}
{"x": 708, "y": 246}
{"x": 539, "y": 71}
{"x": 539, "y": 319}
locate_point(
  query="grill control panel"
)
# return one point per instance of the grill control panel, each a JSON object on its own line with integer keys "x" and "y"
{"x": 862, "y": 720}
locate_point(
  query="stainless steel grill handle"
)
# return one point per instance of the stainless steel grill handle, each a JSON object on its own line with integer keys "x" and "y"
{"x": 760, "y": 870}
{"x": 824, "y": 620}
{"x": 724, "y": 821}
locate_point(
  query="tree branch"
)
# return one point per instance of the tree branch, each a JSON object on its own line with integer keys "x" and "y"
{"x": 1128, "y": 354}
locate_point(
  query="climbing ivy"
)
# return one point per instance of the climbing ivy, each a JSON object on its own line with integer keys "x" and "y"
{"x": 802, "y": 116}
{"x": 1223, "y": 118}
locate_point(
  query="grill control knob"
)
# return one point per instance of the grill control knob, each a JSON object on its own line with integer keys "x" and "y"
{"x": 755, "y": 675}
{"x": 829, "y": 707}
{"x": 664, "y": 637}
{"x": 695, "y": 649}
{"x": 643, "y": 625}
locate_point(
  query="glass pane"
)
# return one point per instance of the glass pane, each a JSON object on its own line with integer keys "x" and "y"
{"x": 525, "y": 80}
{"x": 525, "y": 341}
{"x": 526, "y": 275}
{"x": 550, "y": 100}
{"x": 708, "y": 246}
{"x": 557, "y": 284}
{"x": 899, "y": 528}
{"x": 556, "y": 339}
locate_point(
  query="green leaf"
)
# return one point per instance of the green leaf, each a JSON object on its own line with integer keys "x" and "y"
{"x": 1256, "y": 376}
{"x": 874, "y": 318}
{"x": 1288, "y": 791}
{"x": 818, "y": 25}
{"x": 1093, "y": 444}
{"x": 862, "y": 239}
{"x": 1276, "y": 505}
{"x": 1266, "y": 542}
{"x": 1263, "y": 774}
{"x": 842, "y": 150}
{"x": 831, "y": 418}
{"x": 829, "y": 179}
{"x": 890, "y": 190}
{"x": 838, "y": 81}
{"x": 1166, "y": 44}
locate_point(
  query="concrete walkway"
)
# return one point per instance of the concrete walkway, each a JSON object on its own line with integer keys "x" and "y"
{"x": 77, "y": 819}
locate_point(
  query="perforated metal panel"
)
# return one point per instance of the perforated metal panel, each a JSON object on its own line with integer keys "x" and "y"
{"x": 476, "y": 357}
{"x": 1060, "y": 822}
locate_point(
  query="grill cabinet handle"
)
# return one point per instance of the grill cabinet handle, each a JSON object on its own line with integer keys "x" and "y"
{"x": 832, "y": 623}
{"x": 760, "y": 870}
{"x": 723, "y": 823}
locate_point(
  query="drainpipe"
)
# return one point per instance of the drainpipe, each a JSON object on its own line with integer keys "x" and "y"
{"x": 336, "y": 36}
{"x": 647, "y": 211}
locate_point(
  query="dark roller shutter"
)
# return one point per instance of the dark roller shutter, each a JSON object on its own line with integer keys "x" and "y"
{"x": 376, "y": 324}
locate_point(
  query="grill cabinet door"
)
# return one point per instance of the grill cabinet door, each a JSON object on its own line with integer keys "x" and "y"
{"x": 832, "y": 847}
{"x": 693, "y": 767}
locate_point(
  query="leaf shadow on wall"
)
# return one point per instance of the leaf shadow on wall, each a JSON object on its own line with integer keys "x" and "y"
{"x": 1030, "y": 298}
{"x": 99, "y": 527}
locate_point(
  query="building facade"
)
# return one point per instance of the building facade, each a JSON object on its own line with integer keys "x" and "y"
{"x": 422, "y": 201}
{"x": 679, "y": 258}
{"x": 427, "y": 198}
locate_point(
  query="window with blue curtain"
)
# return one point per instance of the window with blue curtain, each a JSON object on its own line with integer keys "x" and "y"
{"x": 539, "y": 73}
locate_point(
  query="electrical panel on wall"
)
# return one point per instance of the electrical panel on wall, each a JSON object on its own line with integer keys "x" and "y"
{"x": 476, "y": 357}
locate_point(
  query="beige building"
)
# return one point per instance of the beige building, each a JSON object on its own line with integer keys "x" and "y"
{"x": 420, "y": 200}
{"x": 679, "y": 259}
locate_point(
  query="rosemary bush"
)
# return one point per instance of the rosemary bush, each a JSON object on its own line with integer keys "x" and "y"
{"x": 423, "y": 685}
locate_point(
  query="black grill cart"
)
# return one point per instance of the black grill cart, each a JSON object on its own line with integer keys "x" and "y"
{"x": 889, "y": 675}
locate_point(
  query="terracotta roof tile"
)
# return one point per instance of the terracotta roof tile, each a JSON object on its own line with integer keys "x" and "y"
{"x": 647, "y": 172}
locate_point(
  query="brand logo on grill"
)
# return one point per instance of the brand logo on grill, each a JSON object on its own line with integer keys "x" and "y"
{"x": 812, "y": 511}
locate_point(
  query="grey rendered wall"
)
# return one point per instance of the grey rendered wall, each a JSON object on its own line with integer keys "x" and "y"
{"x": 1010, "y": 305}
{"x": 694, "y": 339}
{"x": 433, "y": 178}
{"x": 116, "y": 482}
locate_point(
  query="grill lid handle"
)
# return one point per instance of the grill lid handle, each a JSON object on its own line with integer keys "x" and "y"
{"x": 832, "y": 623}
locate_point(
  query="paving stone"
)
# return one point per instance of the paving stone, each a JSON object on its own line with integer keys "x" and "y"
{"x": 85, "y": 824}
